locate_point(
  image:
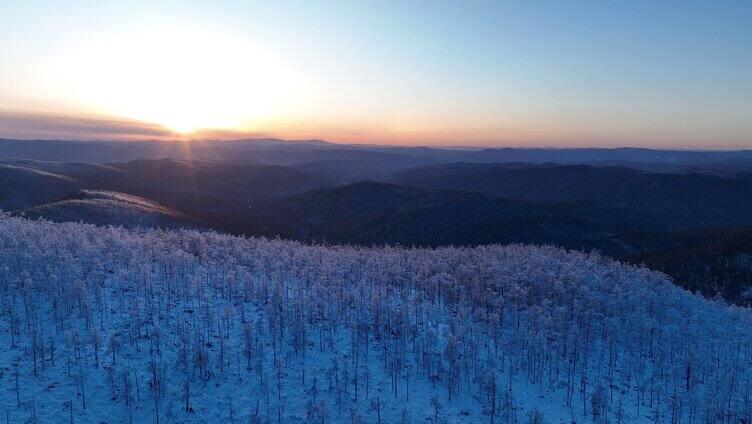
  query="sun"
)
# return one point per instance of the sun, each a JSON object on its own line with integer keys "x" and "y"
{"x": 183, "y": 79}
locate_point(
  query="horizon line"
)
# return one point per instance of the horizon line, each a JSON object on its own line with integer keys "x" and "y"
{"x": 374, "y": 145}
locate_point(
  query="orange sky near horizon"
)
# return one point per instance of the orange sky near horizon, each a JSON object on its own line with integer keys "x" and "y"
{"x": 93, "y": 127}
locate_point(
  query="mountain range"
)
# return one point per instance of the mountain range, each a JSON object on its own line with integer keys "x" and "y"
{"x": 681, "y": 212}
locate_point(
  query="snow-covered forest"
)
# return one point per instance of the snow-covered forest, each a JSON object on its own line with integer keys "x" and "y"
{"x": 103, "y": 324}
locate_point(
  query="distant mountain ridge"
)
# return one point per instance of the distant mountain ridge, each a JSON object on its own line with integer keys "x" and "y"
{"x": 273, "y": 150}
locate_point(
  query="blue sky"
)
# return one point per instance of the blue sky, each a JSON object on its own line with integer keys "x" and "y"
{"x": 570, "y": 73}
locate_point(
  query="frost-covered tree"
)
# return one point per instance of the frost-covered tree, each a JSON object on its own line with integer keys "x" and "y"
{"x": 259, "y": 330}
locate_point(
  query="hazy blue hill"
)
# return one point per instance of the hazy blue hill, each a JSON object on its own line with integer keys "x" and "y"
{"x": 545, "y": 182}
{"x": 23, "y": 185}
{"x": 348, "y": 171}
{"x": 196, "y": 184}
{"x": 585, "y": 155}
{"x": 209, "y": 185}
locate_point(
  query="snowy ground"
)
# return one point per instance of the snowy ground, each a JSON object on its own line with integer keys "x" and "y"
{"x": 234, "y": 394}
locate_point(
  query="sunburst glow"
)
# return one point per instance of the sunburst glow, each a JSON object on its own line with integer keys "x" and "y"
{"x": 184, "y": 79}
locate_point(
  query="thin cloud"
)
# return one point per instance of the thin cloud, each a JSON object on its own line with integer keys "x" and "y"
{"x": 39, "y": 125}
{"x": 34, "y": 125}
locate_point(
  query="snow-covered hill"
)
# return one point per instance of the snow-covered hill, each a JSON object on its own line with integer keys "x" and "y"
{"x": 102, "y": 324}
{"x": 109, "y": 207}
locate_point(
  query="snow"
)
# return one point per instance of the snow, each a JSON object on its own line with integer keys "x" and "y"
{"x": 248, "y": 325}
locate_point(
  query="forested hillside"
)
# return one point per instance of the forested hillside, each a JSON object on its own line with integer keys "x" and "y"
{"x": 367, "y": 213}
{"x": 103, "y": 324}
{"x": 692, "y": 221}
{"x": 640, "y": 200}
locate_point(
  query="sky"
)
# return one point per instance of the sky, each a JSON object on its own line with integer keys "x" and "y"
{"x": 504, "y": 73}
